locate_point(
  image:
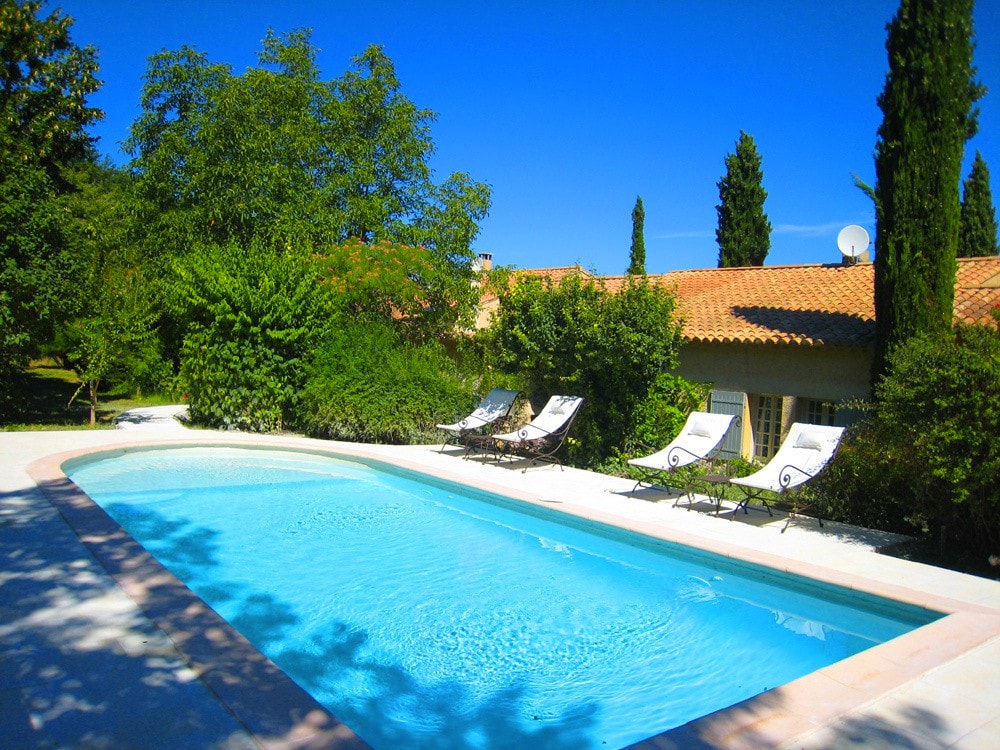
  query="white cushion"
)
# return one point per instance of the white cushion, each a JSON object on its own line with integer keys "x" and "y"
{"x": 810, "y": 439}
{"x": 700, "y": 429}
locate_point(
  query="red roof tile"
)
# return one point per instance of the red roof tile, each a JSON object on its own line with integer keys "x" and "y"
{"x": 806, "y": 305}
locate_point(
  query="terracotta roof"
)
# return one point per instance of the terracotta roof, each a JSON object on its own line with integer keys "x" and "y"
{"x": 978, "y": 289}
{"x": 805, "y": 305}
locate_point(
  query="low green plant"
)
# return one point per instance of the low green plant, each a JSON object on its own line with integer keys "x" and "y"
{"x": 368, "y": 383}
{"x": 251, "y": 317}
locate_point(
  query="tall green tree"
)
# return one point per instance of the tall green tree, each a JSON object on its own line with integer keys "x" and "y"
{"x": 977, "y": 234}
{"x": 744, "y": 231}
{"x": 637, "y": 255}
{"x": 45, "y": 80}
{"x": 279, "y": 155}
{"x": 927, "y": 105}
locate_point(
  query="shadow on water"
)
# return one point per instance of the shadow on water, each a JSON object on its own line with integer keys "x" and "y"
{"x": 449, "y": 713}
{"x": 182, "y": 548}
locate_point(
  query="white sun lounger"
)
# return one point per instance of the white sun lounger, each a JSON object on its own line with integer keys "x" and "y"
{"x": 543, "y": 436}
{"x": 496, "y": 405}
{"x": 805, "y": 451}
{"x": 699, "y": 438}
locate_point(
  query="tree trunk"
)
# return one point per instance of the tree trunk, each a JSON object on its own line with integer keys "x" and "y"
{"x": 92, "y": 386}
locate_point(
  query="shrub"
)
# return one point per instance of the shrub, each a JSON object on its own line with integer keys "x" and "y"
{"x": 367, "y": 383}
{"x": 250, "y": 317}
{"x": 940, "y": 409}
{"x": 576, "y": 337}
{"x": 928, "y": 457}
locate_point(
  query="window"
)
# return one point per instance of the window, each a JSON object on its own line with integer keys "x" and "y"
{"x": 820, "y": 412}
{"x": 767, "y": 426}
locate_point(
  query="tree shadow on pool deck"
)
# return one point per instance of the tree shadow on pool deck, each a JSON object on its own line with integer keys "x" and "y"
{"x": 906, "y": 726}
{"x": 79, "y": 665}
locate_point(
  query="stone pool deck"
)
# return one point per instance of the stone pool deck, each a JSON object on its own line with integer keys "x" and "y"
{"x": 102, "y": 648}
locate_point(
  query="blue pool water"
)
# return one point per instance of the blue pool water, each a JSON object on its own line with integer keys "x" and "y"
{"x": 427, "y": 615}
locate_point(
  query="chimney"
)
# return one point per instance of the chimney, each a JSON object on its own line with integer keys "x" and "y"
{"x": 484, "y": 262}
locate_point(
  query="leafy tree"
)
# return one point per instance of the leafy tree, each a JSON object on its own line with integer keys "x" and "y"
{"x": 114, "y": 339}
{"x": 744, "y": 231}
{"x": 45, "y": 80}
{"x": 223, "y": 157}
{"x": 282, "y": 156}
{"x": 977, "y": 234}
{"x": 637, "y": 255}
{"x": 575, "y": 337}
{"x": 927, "y": 106}
{"x": 109, "y": 334}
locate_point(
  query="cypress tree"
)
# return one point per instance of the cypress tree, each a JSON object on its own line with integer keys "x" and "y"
{"x": 744, "y": 232}
{"x": 637, "y": 256}
{"x": 927, "y": 105}
{"x": 977, "y": 234}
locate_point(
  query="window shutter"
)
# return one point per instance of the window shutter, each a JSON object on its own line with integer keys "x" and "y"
{"x": 730, "y": 402}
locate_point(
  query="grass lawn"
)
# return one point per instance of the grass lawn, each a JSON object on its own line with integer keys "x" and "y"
{"x": 45, "y": 390}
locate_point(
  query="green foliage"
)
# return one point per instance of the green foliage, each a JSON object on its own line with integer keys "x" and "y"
{"x": 977, "y": 234}
{"x": 44, "y": 82}
{"x": 928, "y": 458}
{"x": 114, "y": 338}
{"x": 744, "y": 231}
{"x": 927, "y": 105}
{"x": 250, "y": 318}
{"x": 657, "y": 420}
{"x": 660, "y": 416}
{"x": 637, "y": 254}
{"x": 109, "y": 332}
{"x": 280, "y": 156}
{"x": 384, "y": 280}
{"x": 576, "y": 338}
{"x": 368, "y": 383}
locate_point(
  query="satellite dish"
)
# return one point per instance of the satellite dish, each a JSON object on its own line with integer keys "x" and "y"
{"x": 852, "y": 241}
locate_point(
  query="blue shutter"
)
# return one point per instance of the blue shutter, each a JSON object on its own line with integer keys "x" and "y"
{"x": 730, "y": 402}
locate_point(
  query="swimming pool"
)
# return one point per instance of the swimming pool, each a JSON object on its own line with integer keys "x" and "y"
{"x": 424, "y": 615}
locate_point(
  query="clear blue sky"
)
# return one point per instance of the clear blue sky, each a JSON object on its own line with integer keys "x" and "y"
{"x": 572, "y": 108}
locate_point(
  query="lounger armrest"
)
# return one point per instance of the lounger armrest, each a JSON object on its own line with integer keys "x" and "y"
{"x": 789, "y": 472}
{"x": 674, "y": 456}
{"x": 522, "y": 433}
